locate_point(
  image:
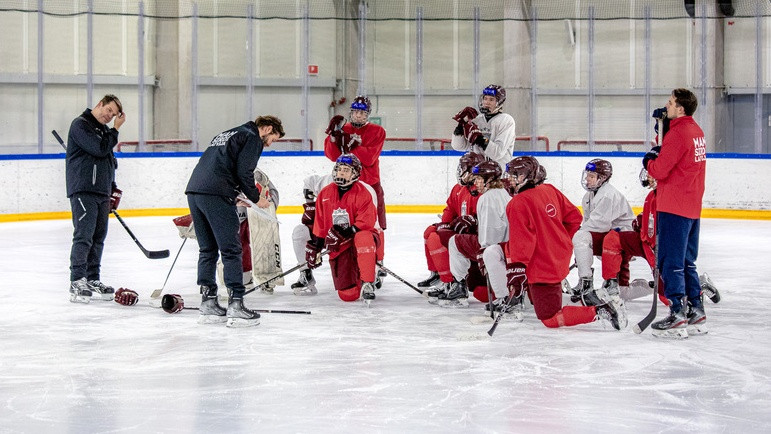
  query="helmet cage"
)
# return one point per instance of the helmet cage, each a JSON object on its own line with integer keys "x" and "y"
{"x": 360, "y": 103}
{"x": 602, "y": 168}
{"x": 500, "y": 97}
{"x": 346, "y": 160}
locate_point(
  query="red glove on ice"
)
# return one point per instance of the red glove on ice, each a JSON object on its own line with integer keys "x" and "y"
{"x": 172, "y": 303}
{"x": 126, "y": 297}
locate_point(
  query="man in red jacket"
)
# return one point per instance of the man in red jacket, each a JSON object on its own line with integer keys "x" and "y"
{"x": 679, "y": 167}
{"x": 542, "y": 222}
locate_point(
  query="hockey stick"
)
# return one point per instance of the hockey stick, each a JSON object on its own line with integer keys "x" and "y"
{"x": 157, "y": 293}
{"x": 291, "y": 270}
{"x": 151, "y": 254}
{"x": 295, "y": 312}
{"x": 645, "y": 322}
{"x": 490, "y": 297}
{"x": 383, "y": 267}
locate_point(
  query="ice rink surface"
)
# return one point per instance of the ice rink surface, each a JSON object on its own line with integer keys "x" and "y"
{"x": 400, "y": 366}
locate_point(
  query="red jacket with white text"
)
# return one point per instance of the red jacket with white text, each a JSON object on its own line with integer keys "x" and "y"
{"x": 681, "y": 168}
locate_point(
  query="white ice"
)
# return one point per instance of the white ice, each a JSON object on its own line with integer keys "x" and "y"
{"x": 400, "y": 366}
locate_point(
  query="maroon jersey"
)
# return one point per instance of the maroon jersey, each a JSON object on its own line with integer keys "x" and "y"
{"x": 542, "y": 222}
{"x": 372, "y": 137}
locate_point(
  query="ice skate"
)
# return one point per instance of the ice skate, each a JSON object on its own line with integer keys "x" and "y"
{"x": 210, "y": 311}
{"x": 609, "y": 314}
{"x": 367, "y": 292}
{"x": 433, "y": 294}
{"x": 431, "y": 281}
{"x": 515, "y": 310}
{"x": 79, "y": 291}
{"x": 100, "y": 289}
{"x": 239, "y": 316}
{"x": 381, "y": 274}
{"x": 675, "y": 325}
{"x": 457, "y": 296}
{"x": 305, "y": 285}
{"x": 611, "y": 292}
{"x": 378, "y": 281}
{"x": 267, "y": 289}
{"x": 697, "y": 321}
{"x": 708, "y": 288}
{"x": 586, "y": 294}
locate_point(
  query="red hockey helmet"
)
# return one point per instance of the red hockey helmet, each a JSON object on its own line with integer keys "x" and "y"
{"x": 349, "y": 177}
{"x": 466, "y": 163}
{"x": 602, "y": 168}
{"x": 500, "y": 97}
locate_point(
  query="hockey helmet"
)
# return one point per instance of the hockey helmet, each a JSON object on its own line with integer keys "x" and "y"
{"x": 360, "y": 104}
{"x": 522, "y": 171}
{"x": 343, "y": 177}
{"x": 500, "y": 97}
{"x": 602, "y": 168}
{"x": 466, "y": 164}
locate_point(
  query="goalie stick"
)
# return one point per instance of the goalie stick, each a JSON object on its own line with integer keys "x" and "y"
{"x": 383, "y": 267}
{"x": 150, "y": 254}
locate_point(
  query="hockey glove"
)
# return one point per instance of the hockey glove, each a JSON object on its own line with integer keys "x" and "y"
{"x": 172, "y": 303}
{"x": 659, "y": 113}
{"x": 313, "y": 253}
{"x": 185, "y": 226}
{"x": 651, "y": 155}
{"x": 471, "y": 132}
{"x": 126, "y": 297}
{"x": 637, "y": 223}
{"x": 481, "y": 262}
{"x": 466, "y": 115}
{"x": 465, "y": 224}
{"x": 443, "y": 226}
{"x": 115, "y": 198}
{"x": 516, "y": 279}
{"x": 309, "y": 213}
{"x": 338, "y": 237}
{"x": 335, "y": 124}
{"x": 458, "y": 131}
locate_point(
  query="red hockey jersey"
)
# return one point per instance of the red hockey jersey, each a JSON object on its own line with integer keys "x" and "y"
{"x": 355, "y": 207}
{"x": 372, "y": 137}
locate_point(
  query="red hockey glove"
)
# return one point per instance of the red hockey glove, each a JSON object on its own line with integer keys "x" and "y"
{"x": 172, "y": 303}
{"x": 471, "y": 132}
{"x": 312, "y": 254}
{"x": 338, "y": 237}
{"x": 185, "y": 226}
{"x": 466, "y": 115}
{"x": 309, "y": 213}
{"x": 517, "y": 279}
{"x": 126, "y": 297}
{"x": 335, "y": 124}
{"x": 637, "y": 223}
{"x": 481, "y": 262}
{"x": 115, "y": 198}
{"x": 465, "y": 224}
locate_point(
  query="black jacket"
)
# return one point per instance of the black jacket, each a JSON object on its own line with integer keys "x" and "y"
{"x": 227, "y": 166}
{"x": 90, "y": 162}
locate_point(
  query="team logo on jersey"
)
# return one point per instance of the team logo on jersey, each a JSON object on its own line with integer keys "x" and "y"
{"x": 699, "y": 149}
{"x": 551, "y": 210}
{"x": 340, "y": 217}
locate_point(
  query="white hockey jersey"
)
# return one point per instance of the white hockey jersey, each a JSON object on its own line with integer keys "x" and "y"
{"x": 500, "y": 132}
{"x": 493, "y": 225}
{"x": 605, "y": 210}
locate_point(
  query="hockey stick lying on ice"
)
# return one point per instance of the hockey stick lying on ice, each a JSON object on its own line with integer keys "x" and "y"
{"x": 157, "y": 293}
{"x": 171, "y": 304}
{"x": 382, "y": 267}
{"x": 291, "y": 270}
{"x": 151, "y": 254}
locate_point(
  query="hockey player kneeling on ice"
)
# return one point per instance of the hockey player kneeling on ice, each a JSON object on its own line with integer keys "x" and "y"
{"x": 491, "y": 228}
{"x": 346, "y": 224}
{"x": 542, "y": 222}
{"x": 606, "y": 211}
{"x": 301, "y": 234}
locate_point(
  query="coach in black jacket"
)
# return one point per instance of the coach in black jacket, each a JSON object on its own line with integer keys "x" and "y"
{"x": 90, "y": 174}
{"x": 226, "y": 169}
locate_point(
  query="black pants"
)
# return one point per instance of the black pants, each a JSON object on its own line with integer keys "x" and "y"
{"x": 216, "y": 227}
{"x": 90, "y": 217}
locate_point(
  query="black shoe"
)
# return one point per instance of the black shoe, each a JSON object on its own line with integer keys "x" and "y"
{"x": 457, "y": 296}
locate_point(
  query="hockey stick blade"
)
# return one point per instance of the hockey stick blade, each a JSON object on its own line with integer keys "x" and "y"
{"x": 150, "y": 254}
{"x": 642, "y": 325}
{"x": 157, "y": 293}
{"x": 413, "y": 287}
